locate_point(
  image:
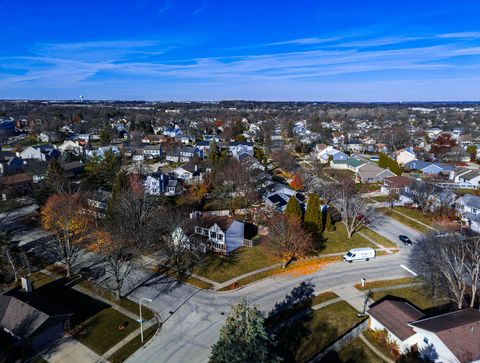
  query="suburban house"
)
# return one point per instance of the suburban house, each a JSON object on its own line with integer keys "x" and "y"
{"x": 348, "y": 164}
{"x": 238, "y": 148}
{"x": 468, "y": 208}
{"x": 277, "y": 195}
{"x": 191, "y": 173}
{"x": 43, "y": 152}
{"x": 394, "y": 316}
{"x": 153, "y": 151}
{"x": 405, "y": 156}
{"x": 72, "y": 147}
{"x": 324, "y": 152}
{"x": 449, "y": 337}
{"x": 173, "y": 131}
{"x": 161, "y": 184}
{"x": 97, "y": 203}
{"x": 153, "y": 139}
{"x": 395, "y": 184}
{"x": 355, "y": 146}
{"x": 372, "y": 173}
{"x": 466, "y": 178}
{"x": 30, "y": 320}
{"x": 202, "y": 145}
{"x": 183, "y": 154}
{"x": 9, "y": 163}
{"x": 429, "y": 168}
{"x": 101, "y": 151}
{"x": 223, "y": 234}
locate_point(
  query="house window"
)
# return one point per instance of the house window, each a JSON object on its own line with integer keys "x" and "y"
{"x": 425, "y": 340}
{"x": 474, "y": 210}
{"x": 220, "y": 236}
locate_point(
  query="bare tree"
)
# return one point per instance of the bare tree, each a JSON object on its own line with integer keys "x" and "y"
{"x": 7, "y": 253}
{"x": 472, "y": 267}
{"x": 286, "y": 238}
{"x": 423, "y": 193}
{"x": 181, "y": 246}
{"x": 444, "y": 263}
{"x": 355, "y": 212}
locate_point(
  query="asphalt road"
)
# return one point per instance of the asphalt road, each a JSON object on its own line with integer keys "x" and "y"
{"x": 193, "y": 318}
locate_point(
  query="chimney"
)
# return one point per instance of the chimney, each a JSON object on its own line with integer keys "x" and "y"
{"x": 27, "y": 284}
{"x": 196, "y": 167}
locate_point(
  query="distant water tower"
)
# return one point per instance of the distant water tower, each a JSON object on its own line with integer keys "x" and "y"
{"x": 81, "y": 99}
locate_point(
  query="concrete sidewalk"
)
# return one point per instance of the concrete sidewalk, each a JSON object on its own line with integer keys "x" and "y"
{"x": 351, "y": 295}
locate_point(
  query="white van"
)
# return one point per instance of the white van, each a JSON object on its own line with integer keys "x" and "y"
{"x": 357, "y": 254}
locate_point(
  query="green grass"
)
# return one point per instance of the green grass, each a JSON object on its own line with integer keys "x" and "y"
{"x": 305, "y": 337}
{"x": 102, "y": 330}
{"x": 9, "y": 205}
{"x": 385, "y": 242}
{"x": 418, "y": 295}
{"x": 244, "y": 260}
{"x": 386, "y": 283}
{"x": 132, "y": 346}
{"x": 405, "y": 220}
{"x": 337, "y": 241}
{"x": 357, "y": 352}
{"x": 39, "y": 279}
{"x": 324, "y": 296}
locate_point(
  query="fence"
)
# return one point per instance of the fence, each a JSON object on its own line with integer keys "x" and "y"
{"x": 342, "y": 341}
{"x": 247, "y": 242}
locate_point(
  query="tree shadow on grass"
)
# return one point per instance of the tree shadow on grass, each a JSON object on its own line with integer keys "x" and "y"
{"x": 289, "y": 320}
{"x": 83, "y": 306}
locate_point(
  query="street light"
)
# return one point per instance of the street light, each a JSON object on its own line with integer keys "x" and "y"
{"x": 141, "y": 320}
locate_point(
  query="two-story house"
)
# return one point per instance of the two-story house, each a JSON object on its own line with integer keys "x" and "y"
{"x": 239, "y": 148}
{"x": 223, "y": 235}
{"x": 43, "y": 152}
{"x": 183, "y": 154}
{"x": 395, "y": 184}
{"x": 161, "y": 184}
{"x": 405, "y": 156}
{"x": 468, "y": 208}
{"x": 9, "y": 163}
{"x": 192, "y": 173}
{"x": 153, "y": 151}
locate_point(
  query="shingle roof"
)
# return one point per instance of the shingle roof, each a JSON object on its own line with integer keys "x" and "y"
{"x": 458, "y": 330}
{"x": 471, "y": 200}
{"x": 395, "y": 316}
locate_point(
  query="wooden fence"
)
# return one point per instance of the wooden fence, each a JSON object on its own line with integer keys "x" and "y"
{"x": 342, "y": 341}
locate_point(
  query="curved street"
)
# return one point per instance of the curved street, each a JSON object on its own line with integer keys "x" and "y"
{"x": 193, "y": 318}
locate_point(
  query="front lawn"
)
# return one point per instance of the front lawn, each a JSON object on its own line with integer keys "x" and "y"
{"x": 133, "y": 345}
{"x": 418, "y": 295}
{"x": 385, "y": 242}
{"x": 103, "y": 330}
{"x": 403, "y": 219}
{"x": 337, "y": 241}
{"x": 309, "y": 335}
{"x": 222, "y": 268}
{"x": 386, "y": 283}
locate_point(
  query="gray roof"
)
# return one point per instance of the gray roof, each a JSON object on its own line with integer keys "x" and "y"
{"x": 471, "y": 200}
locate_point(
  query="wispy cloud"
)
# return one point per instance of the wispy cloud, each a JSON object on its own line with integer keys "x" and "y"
{"x": 464, "y": 35}
{"x": 166, "y": 6}
{"x": 200, "y": 9}
{"x": 306, "y": 41}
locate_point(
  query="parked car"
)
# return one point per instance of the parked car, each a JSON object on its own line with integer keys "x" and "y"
{"x": 358, "y": 254}
{"x": 406, "y": 241}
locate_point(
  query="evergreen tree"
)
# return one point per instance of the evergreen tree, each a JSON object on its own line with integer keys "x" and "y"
{"x": 213, "y": 153}
{"x": 328, "y": 221}
{"x": 243, "y": 338}
{"x": 293, "y": 208}
{"x": 383, "y": 160}
{"x": 313, "y": 215}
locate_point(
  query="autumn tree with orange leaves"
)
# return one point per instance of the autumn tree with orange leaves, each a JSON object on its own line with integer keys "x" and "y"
{"x": 287, "y": 239}
{"x": 62, "y": 217}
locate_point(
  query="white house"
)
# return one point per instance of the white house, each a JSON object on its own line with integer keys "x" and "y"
{"x": 153, "y": 151}
{"x": 183, "y": 154}
{"x": 101, "y": 151}
{"x": 468, "y": 207}
{"x": 223, "y": 234}
{"x": 40, "y": 152}
{"x": 72, "y": 147}
{"x": 405, "y": 156}
{"x": 324, "y": 152}
{"x": 452, "y": 337}
{"x": 173, "y": 131}
{"x": 238, "y": 148}
{"x": 394, "y": 316}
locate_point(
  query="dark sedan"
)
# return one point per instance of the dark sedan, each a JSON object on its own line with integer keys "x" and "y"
{"x": 406, "y": 241}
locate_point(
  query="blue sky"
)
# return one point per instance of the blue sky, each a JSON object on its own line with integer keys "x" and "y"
{"x": 257, "y": 50}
